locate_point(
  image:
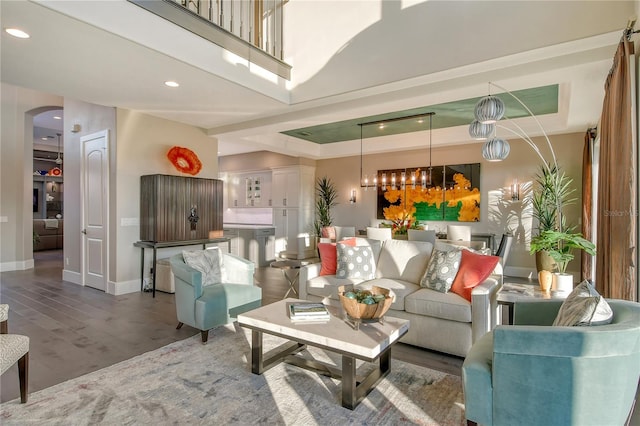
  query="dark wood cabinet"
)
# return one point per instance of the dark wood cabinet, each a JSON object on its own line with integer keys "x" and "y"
{"x": 178, "y": 208}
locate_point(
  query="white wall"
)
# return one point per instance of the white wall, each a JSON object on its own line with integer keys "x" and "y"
{"x": 498, "y": 211}
{"x": 19, "y": 106}
{"x": 360, "y": 44}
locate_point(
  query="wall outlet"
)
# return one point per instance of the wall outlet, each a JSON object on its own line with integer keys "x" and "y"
{"x": 66, "y": 260}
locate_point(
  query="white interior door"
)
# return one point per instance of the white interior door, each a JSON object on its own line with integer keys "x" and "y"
{"x": 95, "y": 191}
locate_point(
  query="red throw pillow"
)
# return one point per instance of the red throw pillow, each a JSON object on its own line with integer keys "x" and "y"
{"x": 328, "y": 258}
{"x": 474, "y": 269}
{"x": 348, "y": 242}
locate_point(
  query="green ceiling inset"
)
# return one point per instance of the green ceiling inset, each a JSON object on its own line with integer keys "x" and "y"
{"x": 540, "y": 100}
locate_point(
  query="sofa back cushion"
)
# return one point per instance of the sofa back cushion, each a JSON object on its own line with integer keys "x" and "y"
{"x": 403, "y": 260}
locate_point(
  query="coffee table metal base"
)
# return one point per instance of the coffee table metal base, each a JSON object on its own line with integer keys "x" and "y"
{"x": 353, "y": 390}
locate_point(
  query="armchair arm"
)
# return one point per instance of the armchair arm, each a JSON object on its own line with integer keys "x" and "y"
{"x": 484, "y": 306}
{"x": 187, "y": 276}
{"x": 238, "y": 270}
{"x": 307, "y": 272}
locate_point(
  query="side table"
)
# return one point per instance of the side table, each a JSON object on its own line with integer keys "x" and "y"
{"x": 291, "y": 271}
{"x": 511, "y": 293}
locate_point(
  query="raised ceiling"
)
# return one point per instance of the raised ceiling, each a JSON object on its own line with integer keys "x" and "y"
{"x": 540, "y": 100}
{"x": 379, "y": 58}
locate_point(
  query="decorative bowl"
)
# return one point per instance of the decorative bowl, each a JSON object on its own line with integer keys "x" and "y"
{"x": 363, "y": 311}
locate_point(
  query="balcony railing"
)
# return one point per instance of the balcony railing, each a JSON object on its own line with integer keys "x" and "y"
{"x": 243, "y": 27}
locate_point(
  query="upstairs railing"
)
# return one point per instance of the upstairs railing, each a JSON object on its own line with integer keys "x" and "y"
{"x": 257, "y": 23}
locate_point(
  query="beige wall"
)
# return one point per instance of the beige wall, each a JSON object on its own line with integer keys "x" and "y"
{"x": 143, "y": 142}
{"x": 19, "y": 106}
{"x": 261, "y": 160}
{"x": 91, "y": 118}
{"x": 498, "y": 211}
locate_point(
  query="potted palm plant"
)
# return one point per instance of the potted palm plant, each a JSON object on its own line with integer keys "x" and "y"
{"x": 326, "y": 198}
{"x": 552, "y": 192}
{"x": 560, "y": 246}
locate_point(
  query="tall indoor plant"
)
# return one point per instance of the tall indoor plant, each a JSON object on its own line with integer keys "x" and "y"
{"x": 552, "y": 192}
{"x": 326, "y": 198}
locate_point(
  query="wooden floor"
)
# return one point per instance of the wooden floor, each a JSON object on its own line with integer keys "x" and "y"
{"x": 75, "y": 330}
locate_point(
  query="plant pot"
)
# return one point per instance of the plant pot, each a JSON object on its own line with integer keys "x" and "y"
{"x": 562, "y": 282}
{"x": 544, "y": 262}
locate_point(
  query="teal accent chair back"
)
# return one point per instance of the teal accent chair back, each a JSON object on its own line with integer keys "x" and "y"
{"x": 531, "y": 373}
{"x": 206, "y": 307}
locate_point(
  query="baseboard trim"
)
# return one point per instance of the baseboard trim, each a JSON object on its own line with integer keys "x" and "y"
{"x": 125, "y": 287}
{"x": 72, "y": 276}
{"x": 17, "y": 265}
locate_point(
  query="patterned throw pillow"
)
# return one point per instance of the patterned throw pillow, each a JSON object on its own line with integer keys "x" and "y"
{"x": 584, "y": 306}
{"x": 441, "y": 270}
{"x": 208, "y": 262}
{"x": 355, "y": 262}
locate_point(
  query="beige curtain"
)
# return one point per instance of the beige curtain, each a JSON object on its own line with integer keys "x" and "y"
{"x": 587, "y": 202}
{"x": 617, "y": 187}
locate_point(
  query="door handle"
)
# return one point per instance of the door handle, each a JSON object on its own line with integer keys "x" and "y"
{"x": 84, "y": 231}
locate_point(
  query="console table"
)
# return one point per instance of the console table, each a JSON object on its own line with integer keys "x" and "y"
{"x": 166, "y": 244}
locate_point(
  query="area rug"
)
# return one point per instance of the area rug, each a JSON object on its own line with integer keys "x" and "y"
{"x": 188, "y": 383}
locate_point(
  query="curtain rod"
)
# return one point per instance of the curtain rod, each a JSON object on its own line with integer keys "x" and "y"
{"x": 628, "y": 31}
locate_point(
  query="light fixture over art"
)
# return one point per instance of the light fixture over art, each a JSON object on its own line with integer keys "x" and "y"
{"x": 397, "y": 181}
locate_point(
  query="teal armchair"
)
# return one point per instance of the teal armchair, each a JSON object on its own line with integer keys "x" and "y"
{"x": 531, "y": 373}
{"x": 206, "y": 307}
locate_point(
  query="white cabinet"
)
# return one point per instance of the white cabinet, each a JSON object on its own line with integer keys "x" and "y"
{"x": 249, "y": 189}
{"x": 292, "y": 192}
{"x": 286, "y": 224}
{"x": 286, "y": 187}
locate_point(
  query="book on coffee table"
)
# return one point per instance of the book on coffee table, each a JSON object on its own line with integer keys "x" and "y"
{"x": 308, "y": 311}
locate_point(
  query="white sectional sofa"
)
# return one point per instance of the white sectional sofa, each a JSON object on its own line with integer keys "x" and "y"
{"x": 444, "y": 322}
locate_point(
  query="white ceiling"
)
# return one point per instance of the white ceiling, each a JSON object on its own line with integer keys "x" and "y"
{"x": 115, "y": 54}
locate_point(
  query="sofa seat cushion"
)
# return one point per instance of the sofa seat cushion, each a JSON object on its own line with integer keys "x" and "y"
{"x": 327, "y": 285}
{"x": 400, "y": 289}
{"x": 403, "y": 260}
{"x": 433, "y": 303}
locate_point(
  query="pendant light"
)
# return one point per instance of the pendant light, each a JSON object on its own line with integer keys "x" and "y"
{"x": 429, "y": 175}
{"x": 58, "y": 159}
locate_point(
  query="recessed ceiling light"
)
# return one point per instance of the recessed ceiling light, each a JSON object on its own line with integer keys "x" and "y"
{"x": 44, "y": 138}
{"x": 56, "y": 117}
{"x": 17, "y": 33}
{"x": 381, "y": 126}
{"x": 171, "y": 83}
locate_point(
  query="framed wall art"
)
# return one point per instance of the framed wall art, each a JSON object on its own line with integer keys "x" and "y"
{"x": 450, "y": 193}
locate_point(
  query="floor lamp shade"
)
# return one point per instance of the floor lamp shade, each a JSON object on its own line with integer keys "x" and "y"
{"x": 489, "y": 109}
{"x": 481, "y": 131}
{"x": 495, "y": 149}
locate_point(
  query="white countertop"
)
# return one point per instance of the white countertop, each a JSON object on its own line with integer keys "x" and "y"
{"x": 246, "y": 226}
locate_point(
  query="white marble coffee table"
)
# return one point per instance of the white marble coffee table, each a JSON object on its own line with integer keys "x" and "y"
{"x": 371, "y": 343}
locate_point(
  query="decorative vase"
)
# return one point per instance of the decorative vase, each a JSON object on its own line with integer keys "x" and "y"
{"x": 562, "y": 282}
{"x": 545, "y": 278}
{"x": 544, "y": 261}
